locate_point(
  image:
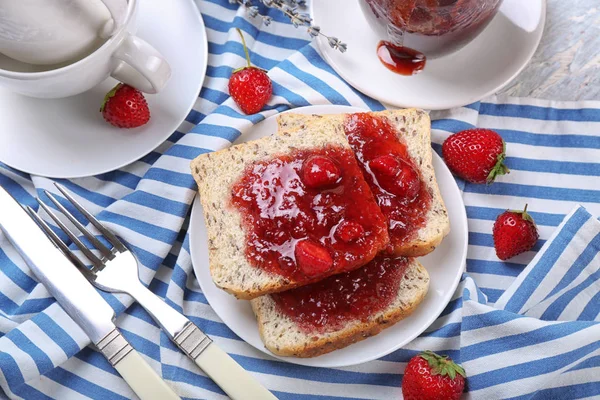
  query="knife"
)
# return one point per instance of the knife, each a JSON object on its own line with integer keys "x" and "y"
{"x": 79, "y": 299}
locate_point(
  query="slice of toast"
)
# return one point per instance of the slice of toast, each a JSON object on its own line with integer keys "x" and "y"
{"x": 217, "y": 173}
{"x": 414, "y": 129}
{"x": 285, "y": 337}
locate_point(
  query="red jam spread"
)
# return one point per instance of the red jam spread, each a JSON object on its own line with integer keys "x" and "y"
{"x": 309, "y": 214}
{"x": 399, "y": 59}
{"x": 329, "y": 304}
{"x": 391, "y": 174}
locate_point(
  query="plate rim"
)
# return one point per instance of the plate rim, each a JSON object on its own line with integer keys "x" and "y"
{"x": 195, "y": 213}
{"x": 159, "y": 141}
{"x": 324, "y": 50}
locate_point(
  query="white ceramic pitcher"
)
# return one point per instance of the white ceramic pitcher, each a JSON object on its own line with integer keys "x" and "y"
{"x": 45, "y": 32}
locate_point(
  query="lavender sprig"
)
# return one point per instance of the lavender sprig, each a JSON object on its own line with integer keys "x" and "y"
{"x": 290, "y": 9}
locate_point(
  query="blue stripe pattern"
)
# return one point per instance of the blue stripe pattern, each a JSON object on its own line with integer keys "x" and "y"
{"x": 523, "y": 329}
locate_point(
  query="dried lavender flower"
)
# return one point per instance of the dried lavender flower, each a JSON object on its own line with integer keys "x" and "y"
{"x": 290, "y": 9}
{"x": 266, "y": 20}
{"x": 313, "y": 31}
{"x": 296, "y": 21}
{"x": 305, "y": 18}
{"x": 252, "y": 11}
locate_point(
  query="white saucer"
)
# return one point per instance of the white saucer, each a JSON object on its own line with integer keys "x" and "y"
{"x": 445, "y": 266}
{"x": 479, "y": 69}
{"x": 68, "y": 138}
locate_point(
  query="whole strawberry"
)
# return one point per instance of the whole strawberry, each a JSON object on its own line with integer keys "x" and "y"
{"x": 475, "y": 155}
{"x": 125, "y": 107}
{"x": 250, "y": 87}
{"x": 514, "y": 233}
{"x": 429, "y": 376}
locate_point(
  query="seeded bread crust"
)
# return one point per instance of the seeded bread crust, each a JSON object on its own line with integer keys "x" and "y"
{"x": 283, "y": 337}
{"x": 414, "y": 128}
{"x": 215, "y": 173}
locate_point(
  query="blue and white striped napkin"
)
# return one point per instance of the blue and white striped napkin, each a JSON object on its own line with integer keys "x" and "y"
{"x": 541, "y": 339}
{"x": 523, "y": 329}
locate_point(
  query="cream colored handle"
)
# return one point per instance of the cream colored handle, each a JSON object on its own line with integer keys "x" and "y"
{"x": 230, "y": 376}
{"x": 142, "y": 378}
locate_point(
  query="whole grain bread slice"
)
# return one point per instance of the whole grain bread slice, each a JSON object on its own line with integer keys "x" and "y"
{"x": 284, "y": 337}
{"x": 414, "y": 128}
{"x": 215, "y": 173}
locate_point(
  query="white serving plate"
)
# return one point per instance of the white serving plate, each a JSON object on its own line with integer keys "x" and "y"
{"x": 445, "y": 266}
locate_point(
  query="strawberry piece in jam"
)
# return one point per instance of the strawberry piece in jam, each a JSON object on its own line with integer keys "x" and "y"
{"x": 312, "y": 258}
{"x": 396, "y": 176}
{"x": 320, "y": 171}
{"x": 391, "y": 174}
{"x": 357, "y": 295}
{"x": 348, "y": 231}
{"x": 291, "y": 221}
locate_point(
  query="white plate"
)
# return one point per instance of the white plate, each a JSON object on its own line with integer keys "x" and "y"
{"x": 445, "y": 266}
{"x": 68, "y": 138}
{"x": 479, "y": 69}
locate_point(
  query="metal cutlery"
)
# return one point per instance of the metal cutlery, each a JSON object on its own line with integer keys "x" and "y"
{"x": 79, "y": 300}
{"x": 116, "y": 270}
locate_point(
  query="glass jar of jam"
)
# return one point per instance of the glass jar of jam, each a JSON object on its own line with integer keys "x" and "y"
{"x": 431, "y": 28}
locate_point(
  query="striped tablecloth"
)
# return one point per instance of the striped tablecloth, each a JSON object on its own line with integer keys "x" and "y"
{"x": 521, "y": 332}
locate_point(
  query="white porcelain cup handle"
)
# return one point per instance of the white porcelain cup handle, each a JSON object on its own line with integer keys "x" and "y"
{"x": 141, "y": 65}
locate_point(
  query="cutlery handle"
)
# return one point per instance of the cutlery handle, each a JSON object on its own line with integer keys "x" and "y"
{"x": 131, "y": 366}
{"x": 219, "y": 366}
{"x": 142, "y": 379}
{"x": 229, "y": 375}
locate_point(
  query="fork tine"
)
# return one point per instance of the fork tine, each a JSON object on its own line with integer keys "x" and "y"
{"x": 96, "y": 262}
{"x": 60, "y": 244}
{"x": 107, "y": 234}
{"x": 97, "y": 244}
{"x": 54, "y": 238}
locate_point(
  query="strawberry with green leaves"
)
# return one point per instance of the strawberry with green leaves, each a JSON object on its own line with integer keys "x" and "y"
{"x": 475, "y": 155}
{"x": 249, "y": 86}
{"x": 429, "y": 376}
{"x": 514, "y": 233}
{"x": 125, "y": 107}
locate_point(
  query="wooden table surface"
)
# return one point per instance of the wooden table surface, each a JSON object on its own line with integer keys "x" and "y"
{"x": 566, "y": 65}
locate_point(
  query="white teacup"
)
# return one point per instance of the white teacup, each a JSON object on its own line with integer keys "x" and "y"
{"x": 57, "y": 31}
{"x": 123, "y": 56}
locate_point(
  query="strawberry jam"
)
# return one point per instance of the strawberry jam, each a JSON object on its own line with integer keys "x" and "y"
{"x": 401, "y": 60}
{"x": 391, "y": 174}
{"x": 309, "y": 214}
{"x": 328, "y": 304}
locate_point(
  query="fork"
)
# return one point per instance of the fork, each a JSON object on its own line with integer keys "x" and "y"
{"x": 116, "y": 271}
